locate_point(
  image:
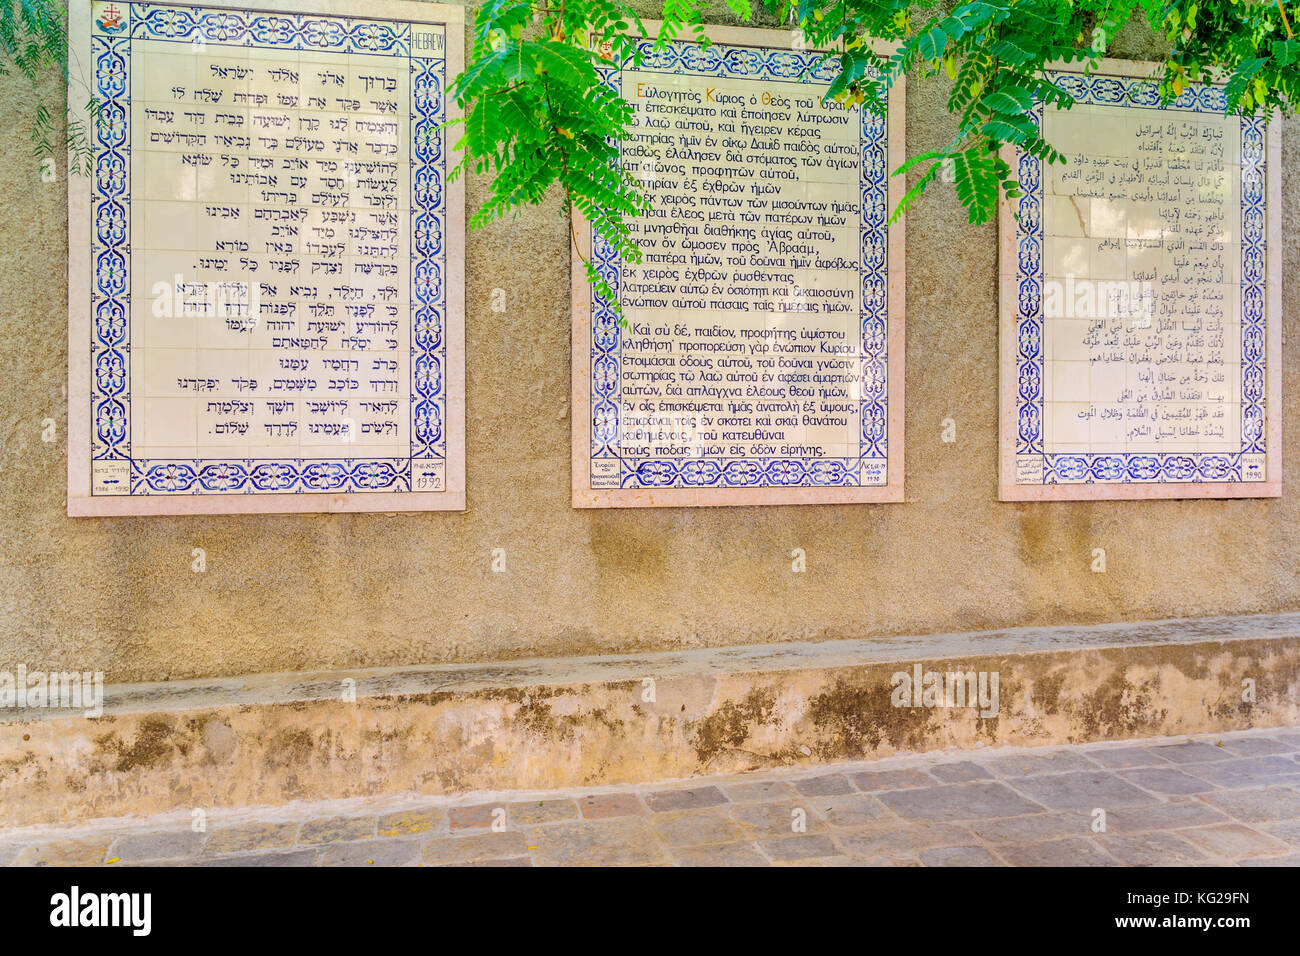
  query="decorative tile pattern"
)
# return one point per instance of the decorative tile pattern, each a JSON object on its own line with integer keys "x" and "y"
{"x": 610, "y": 465}
{"x": 1036, "y": 461}
{"x": 128, "y": 37}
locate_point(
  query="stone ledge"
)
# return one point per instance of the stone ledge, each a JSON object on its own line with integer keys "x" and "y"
{"x": 267, "y": 740}
{"x": 297, "y": 686}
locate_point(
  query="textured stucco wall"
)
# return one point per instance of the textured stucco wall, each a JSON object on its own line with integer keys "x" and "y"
{"x": 309, "y": 592}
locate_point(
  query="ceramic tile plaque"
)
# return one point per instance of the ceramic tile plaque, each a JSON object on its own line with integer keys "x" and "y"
{"x": 1141, "y": 302}
{"x": 761, "y": 357}
{"x": 266, "y": 289}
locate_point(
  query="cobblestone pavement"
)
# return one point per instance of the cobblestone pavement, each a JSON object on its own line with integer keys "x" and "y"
{"x": 1222, "y": 800}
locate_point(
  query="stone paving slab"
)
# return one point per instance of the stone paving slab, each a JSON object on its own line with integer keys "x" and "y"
{"x": 1152, "y": 849}
{"x": 1227, "y": 800}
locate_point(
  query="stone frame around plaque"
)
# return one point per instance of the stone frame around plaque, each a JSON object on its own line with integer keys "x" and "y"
{"x": 99, "y": 250}
{"x": 1023, "y": 342}
{"x": 699, "y": 482}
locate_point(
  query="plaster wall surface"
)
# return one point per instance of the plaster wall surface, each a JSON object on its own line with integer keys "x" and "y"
{"x": 291, "y": 593}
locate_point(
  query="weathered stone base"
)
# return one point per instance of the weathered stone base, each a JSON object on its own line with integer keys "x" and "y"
{"x": 544, "y": 724}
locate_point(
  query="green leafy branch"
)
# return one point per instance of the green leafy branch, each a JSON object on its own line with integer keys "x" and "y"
{"x": 34, "y": 41}
{"x": 997, "y": 54}
{"x": 539, "y": 112}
